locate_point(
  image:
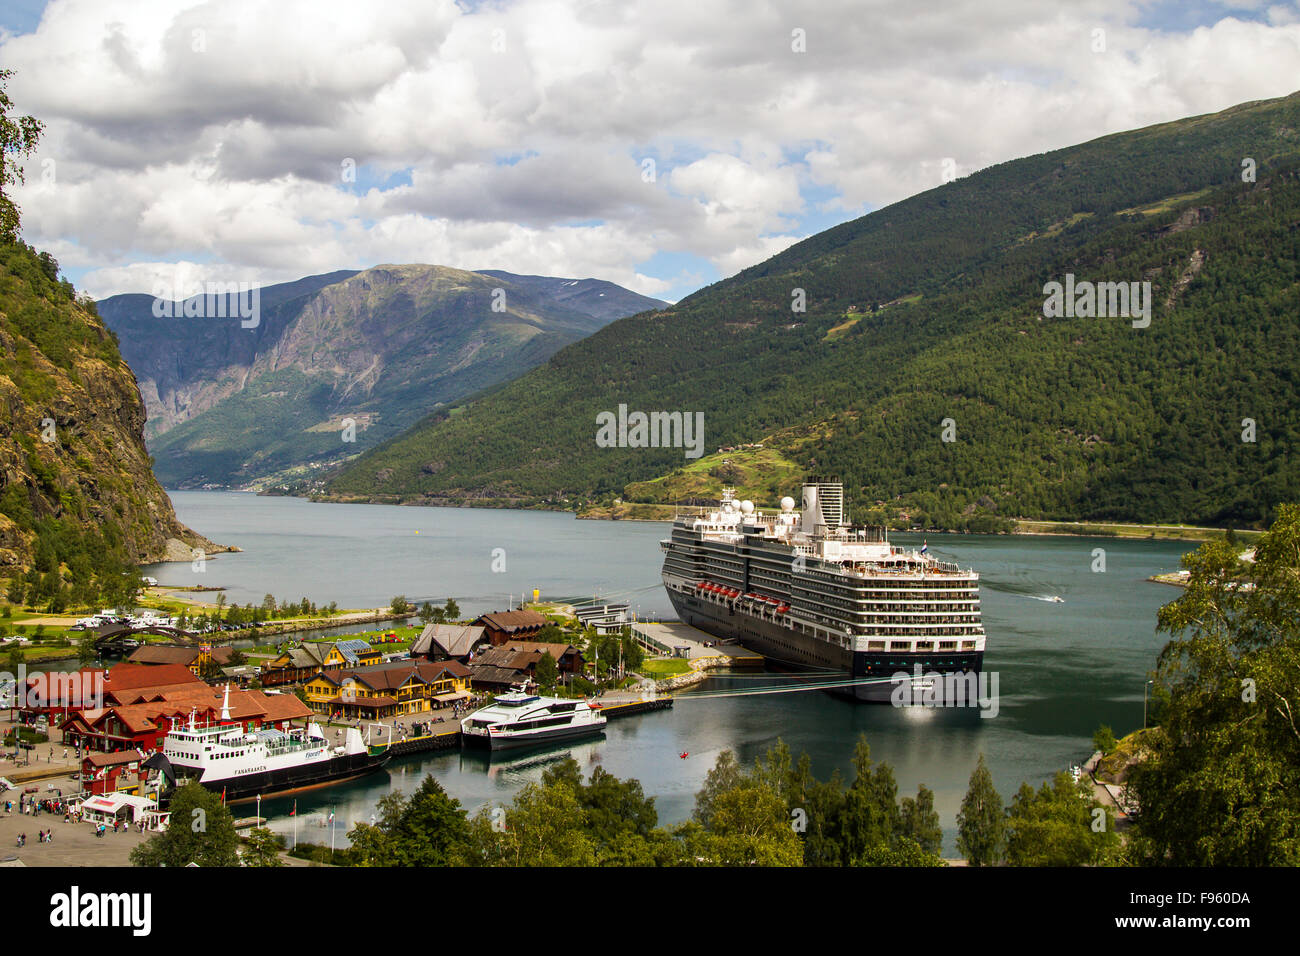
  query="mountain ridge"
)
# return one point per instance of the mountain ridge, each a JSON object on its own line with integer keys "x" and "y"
{"x": 333, "y": 366}
{"x": 932, "y": 309}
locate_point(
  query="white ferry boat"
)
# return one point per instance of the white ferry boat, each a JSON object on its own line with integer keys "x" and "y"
{"x": 241, "y": 764}
{"x": 520, "y": 719}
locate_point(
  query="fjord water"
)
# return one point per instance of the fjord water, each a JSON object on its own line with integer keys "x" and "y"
{"x": 1062, "y": 668}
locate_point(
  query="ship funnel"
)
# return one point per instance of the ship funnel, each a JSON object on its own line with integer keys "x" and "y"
{"x": 823, "y": 505}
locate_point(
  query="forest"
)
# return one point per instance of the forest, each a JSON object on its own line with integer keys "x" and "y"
{"x": 923, "y": 369}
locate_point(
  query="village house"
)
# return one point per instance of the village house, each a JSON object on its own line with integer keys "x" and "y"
{"x": 54, "y": 695}
{"x": 441, "y": 642}
{"x": 300, "y": 664}
{"x": 516, "y": 662}
{"x": 197, "y": 659}
{"x": 502, "y": 626}
{"x": 143, "y": 725}
{"x": 108, "y": 773}
{"x": 388, "y": 690}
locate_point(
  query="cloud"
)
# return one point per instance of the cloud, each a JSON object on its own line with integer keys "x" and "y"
{"x": 514, "y": 135}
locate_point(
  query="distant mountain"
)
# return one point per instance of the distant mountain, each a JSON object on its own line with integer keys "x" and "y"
{"x": 914, "y": 352}
{"x": 78, "y": 503}
{"x": 595, "y": 297}
{"x": 338, "y": 362}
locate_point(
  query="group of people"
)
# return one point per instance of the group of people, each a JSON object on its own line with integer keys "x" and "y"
{"x": 42, "y": 836}
{"x": 35, "y": 807}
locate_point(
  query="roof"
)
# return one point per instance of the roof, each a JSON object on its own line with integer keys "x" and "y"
{"x": 113, "y": 759}
{"x": 122, "y": 684}
{"x": 495, "y": 675}
{"x": 373, "y": 702}
{"x": 510, "y": 621}
{"x": 350, "y": 650}
{"x": 542, "y": 647}
{"x": 454, "y": 640}
{"x": 394, "y": 674}
{"x": 164, "y": 654}
{"x": 112, "y": 802}
{"x": 284, "y": 707}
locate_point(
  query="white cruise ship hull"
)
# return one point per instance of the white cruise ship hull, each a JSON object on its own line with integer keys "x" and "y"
{"x": 536, "y": 738}
{"x": 874, "y": 672}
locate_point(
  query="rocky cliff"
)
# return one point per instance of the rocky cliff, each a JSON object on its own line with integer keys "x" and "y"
{"x": 73, "y": 466}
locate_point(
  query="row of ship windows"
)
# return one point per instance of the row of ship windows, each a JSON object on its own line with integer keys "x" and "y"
{"x": 919, "y": 645}
{"x": 901, "y": 629}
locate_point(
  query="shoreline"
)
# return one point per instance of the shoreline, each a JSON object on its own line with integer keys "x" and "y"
{"x": 1034, "y": 527}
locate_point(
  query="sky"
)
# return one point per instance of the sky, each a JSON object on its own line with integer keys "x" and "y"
{"x": 659, "y": 144}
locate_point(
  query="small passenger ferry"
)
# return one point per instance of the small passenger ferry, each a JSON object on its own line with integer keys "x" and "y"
{"x": 520, "y": 719}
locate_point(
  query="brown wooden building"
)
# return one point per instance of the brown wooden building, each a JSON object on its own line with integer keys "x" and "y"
{"x": 502, "y": 626}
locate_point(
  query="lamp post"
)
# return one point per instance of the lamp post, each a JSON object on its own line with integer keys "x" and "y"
{"x": 1144, "y": 703}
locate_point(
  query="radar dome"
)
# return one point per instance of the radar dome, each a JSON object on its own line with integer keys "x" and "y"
{"x": 787, "y": 503}
{"x": 747, "y": 507}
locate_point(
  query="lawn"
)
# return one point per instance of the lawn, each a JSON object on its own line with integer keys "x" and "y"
{"x": 665, "y": 667}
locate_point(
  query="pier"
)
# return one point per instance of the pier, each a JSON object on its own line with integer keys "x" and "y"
{"x": 681, "y": 640}
{"x": 447, "y": 737}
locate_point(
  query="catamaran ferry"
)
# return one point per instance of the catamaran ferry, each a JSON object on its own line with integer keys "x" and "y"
{"x": 806, "y": 590}
{"x": 519, "y": 719}
{"x": 242, "y": 765}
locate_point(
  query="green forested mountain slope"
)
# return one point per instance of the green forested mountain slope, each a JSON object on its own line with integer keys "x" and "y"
{"x": 932, "y": 309}
{"x": 355, "y": 355}
{"x": 79, "y": 505}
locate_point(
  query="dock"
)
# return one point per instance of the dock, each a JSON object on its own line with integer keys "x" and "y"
{"x": 674, "y": 639}
{"x": 448, "y": 737}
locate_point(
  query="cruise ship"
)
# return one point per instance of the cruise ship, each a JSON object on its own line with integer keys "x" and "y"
{"x": 520, "y": 719}
{"x": 808, "y": 591}
{"x": 242, "y": 765}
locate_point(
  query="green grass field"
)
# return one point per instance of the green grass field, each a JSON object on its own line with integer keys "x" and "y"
{"x": 665, "y": 667}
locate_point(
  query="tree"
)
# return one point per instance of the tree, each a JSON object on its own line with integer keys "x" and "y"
{"x": 748, "y": 826}
{"x": 615, "y": 811}
{"x": 1059, "y": 825}
{"x": 724, "y": 776}
{"x": 868, "y": 818}
{"x": 980, "y": 823}
{"x": 426, "y": 613}
{"x": 547, "y": 671}
{"x": 263, "y": 848}
{"x": 86, "y": 649}
{"x": 201, "y": 830}
{"x": 1220, "y": 785}
{"x": 1104, "y": 740}
{"x": 452, "y": 610}
{"x": 18, "y": 137}
{"x": 544, "y": 826}
{"x": 429, "y": 829}
{"x": 399, "y": 605}
{"x": 920, "y": 821}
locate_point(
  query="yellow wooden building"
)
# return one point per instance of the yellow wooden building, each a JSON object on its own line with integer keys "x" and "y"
{"x": 387, "y": 690}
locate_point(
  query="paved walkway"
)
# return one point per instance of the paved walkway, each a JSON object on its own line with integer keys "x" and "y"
{"x": 74, "y": 844}
{"x": 698, "y": 642}
{"x": 1107, "y": 794}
